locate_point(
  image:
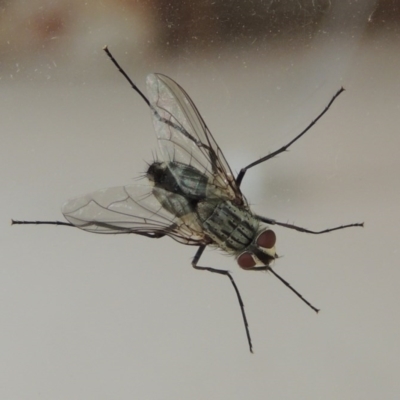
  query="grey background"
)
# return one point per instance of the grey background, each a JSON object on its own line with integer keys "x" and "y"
{"x": 113, "y": 317}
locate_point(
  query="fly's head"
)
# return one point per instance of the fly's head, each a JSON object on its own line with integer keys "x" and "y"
{"x": 260, "y": 253}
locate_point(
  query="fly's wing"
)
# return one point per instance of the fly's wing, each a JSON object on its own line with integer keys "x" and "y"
{"x": 128, "y": 209}
{"x": 183, "y": 135}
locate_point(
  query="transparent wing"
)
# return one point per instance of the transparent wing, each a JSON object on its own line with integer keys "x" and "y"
{"x": 183, "y": 135}
{"x": 128, "y": 209}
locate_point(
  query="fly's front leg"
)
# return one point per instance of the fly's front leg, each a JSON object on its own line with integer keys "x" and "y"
{"x": 195, "y": 260}
{"x": 300, "y": 229}
{"x": 242, "y": 172}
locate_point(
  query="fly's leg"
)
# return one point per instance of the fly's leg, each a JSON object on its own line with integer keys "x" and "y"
{"x": 300, "y": 229}
{"x": 288, "y": 285}
{"x": 243, "y": 171}
{"x": 151, "y": 235}
{"x": 196, "y": 259}
{"x": 120, "y": 69}
{"x": 157, "y": 115}
{"x": 13, "y": 222}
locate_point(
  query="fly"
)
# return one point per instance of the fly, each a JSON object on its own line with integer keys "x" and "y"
{"x": 191, "y": 195}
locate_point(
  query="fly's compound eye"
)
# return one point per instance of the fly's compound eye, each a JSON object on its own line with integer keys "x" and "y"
{"x": 246, "y": 261}
{"x": 266, "y": 239}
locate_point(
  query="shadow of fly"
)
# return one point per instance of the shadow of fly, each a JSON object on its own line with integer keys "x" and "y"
{"x": 191, "y": 195}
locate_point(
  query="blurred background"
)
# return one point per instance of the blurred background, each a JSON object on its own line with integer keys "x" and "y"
{"x": 98, "y": 317}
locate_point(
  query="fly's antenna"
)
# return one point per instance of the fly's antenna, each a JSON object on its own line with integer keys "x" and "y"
{"x": 120, "y": 69}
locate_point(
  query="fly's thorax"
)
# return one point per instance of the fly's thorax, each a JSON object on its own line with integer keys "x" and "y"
{"x": 232, "y": 228}
{"x": 261, "y": 252}
{"x": 179, "y": 178}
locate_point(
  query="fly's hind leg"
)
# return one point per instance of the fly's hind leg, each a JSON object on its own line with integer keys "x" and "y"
{"x": 195, "y": 260}
{"x": 243, "y": 171}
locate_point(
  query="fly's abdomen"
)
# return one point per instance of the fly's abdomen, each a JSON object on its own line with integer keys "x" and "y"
{"x": 174, "y": 203}
{"x": 192, "y": 183}
{"x": 230, "y": 227}
{"x": 179, "y": 207}
{"x": 179, "y": 178}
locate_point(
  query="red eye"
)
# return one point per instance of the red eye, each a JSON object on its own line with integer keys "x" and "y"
{"x": 246, "y": 261}
{"x": 267, "y": 239}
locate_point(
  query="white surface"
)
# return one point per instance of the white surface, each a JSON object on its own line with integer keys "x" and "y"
{"x": 98, "y": 317}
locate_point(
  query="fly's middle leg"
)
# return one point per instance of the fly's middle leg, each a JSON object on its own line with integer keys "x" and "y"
{"x": 300, "y": 229}
{"x": 195, "y": 260}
